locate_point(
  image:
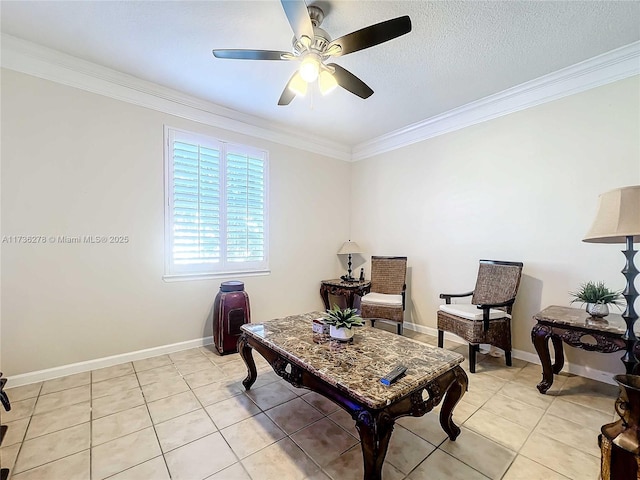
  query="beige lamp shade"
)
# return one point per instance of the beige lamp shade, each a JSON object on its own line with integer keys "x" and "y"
{"x": 349, "y": 247}
{"x": 618, "y": 217}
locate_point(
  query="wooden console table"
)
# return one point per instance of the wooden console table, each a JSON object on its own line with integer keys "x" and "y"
{"x": 339, "y": 287}
{"x": 349, "y": 375}
{"x": 576, "y": 328}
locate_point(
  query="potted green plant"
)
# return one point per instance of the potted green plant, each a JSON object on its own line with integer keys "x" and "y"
{"x": 341, "y": 322}
{"x": 597, "y": 297}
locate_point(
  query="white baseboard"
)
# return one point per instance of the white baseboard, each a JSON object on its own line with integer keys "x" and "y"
{"x": 50, "y": 373}
{"x": 580, "y": 370}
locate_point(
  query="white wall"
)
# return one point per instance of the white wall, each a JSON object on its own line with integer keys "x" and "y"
{"x": 523, "y": 187}
{"x": 76, "y": 163}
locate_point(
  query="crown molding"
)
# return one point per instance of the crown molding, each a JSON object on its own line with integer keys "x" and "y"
{"x": 606, "y": 68}
{"x": 36, "y": 60}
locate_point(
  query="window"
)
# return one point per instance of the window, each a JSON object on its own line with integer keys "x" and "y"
{"x": 216, "y": 206}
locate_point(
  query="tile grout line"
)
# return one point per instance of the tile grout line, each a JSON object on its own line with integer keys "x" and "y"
{"x": 24, "y": 439}
{"x": 116, "y": 413}
{"x": 493, "y": 394}
{"x": 214, "y": 424}
{"x": 518, "y": 452}
{"x": 203, "y": 408}
{"x": 546, "y": 409}
{"x": 15, "y": 462}
{"x": 153, "y": 425}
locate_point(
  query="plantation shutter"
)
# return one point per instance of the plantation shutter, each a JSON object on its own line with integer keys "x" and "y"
{"x": 245, "y": 205}
{"x": 196, "y": 204}
{"x": 216, "y": 206}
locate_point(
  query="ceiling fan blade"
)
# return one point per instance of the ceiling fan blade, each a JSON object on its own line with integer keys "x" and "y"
{"x": 298, "y": 16}
{"x": 349, "y": 81}
{"x": 252, "y": 54}
{"x": 287, "y": 94}
{"x": 372, "y": 35}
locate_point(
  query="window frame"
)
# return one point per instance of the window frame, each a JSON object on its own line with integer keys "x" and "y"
{"x": 224, "y": 268}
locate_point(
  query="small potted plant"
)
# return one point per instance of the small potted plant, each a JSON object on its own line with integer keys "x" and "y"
{"x": 341, "y": 322}
{"x": 597, "y": 297}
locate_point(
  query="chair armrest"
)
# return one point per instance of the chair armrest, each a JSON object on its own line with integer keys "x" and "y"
{"x": 449, "y": 296}
{"x": 487, "y": 306}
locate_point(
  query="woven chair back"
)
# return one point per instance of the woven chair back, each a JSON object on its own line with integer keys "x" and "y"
{"x": 388, "y": 274}
{"x": 497, "y": 282}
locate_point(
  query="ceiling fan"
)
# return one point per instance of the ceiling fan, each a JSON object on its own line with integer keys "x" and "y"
{"x": 312, "y": 46}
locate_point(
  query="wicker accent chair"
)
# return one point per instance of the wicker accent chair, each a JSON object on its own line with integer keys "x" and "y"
{"x": 487, "y": 320}
{"x": 386, "y": 300}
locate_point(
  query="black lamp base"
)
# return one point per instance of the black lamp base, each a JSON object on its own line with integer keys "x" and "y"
{"x": 630, "y": 316}
{"x": 348, "y": 279}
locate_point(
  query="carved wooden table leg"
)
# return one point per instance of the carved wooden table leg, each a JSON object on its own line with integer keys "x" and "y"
{"x": 558, "y": 353}
{"x": 245, "y": 352}
{"x": 324, "y": 293}
{"x": 451, "y": 399}
{"x": 540, "y": 335}
{"x": 375, "y": 431}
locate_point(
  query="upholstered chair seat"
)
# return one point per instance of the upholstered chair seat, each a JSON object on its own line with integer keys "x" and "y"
{"x": 471, "y": 312}
{"x": 374, "y": 298}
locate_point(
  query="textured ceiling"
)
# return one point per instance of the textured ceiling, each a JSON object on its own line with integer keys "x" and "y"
{"x": 457, "y": 52}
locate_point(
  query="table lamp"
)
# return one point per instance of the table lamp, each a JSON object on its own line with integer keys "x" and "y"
{"x": 618, "y": 221}
{"x": 349, "y": 248}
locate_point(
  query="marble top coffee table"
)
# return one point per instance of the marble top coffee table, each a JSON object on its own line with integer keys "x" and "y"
{"x": 349, "y": 374}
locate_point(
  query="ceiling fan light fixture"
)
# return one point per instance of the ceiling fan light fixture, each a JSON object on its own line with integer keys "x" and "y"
{"x": 310, "y": 68}
{"x": 305, "y": 41}
{"x": 334, "y": 49}
{"x": 326, "y": 82}
{"x": 297, "y": 85}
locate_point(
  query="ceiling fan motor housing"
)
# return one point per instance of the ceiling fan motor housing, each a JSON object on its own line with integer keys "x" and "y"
{"x": 316, "y": 15}
{"x": 321, "y": 40}
{"x": 320, "y": 37}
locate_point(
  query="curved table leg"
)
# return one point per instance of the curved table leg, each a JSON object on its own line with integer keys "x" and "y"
{"x": 540, "y": 336}
{"x": 375, "y": 431}
{"x": 558, "y": 353}
{"x": 324, "y": 293}
{"x": 451, "y": 399}
{"x": 245, "y": 352}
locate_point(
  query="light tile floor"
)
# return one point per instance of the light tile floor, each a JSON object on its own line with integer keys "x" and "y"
{"x": 186, "y": 416}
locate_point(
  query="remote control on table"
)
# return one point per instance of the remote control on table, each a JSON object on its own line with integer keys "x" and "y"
{"x": 393, "y": 375}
